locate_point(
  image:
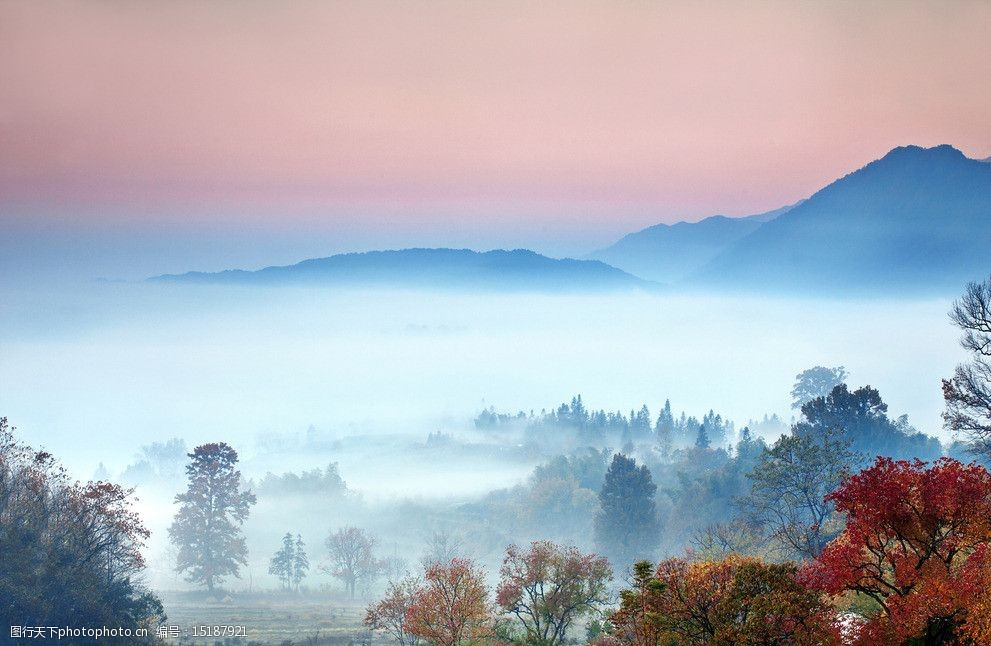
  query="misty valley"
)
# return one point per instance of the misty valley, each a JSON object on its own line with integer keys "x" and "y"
{"x": 375, "y": 438}
{"x": 434, "y": 323}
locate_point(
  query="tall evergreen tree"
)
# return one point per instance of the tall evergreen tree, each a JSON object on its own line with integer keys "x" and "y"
{"x": 716, "y": 429}
{"x": 207, "y": 527}
{"x": 702, "y": 439}
{"x": 281, "y": 564}
{"x": 300, "y": 563}
{"x": 627, "y": 526}
{"x": 641, "y": 423}
{"x": 664, "y": 429}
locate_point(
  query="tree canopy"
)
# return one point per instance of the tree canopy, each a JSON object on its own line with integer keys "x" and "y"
{"x": 916, "y": 543}
{"x": 207, "y": 527}
{"x": 627, "y": 526}
{"x": 548, "y": 587}
{"x": 70, "y": 552}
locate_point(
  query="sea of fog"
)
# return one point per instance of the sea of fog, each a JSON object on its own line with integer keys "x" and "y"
{"x": 93, "y": 373}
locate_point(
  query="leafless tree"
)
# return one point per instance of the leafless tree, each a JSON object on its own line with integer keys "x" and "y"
{"x": 352, "y": 558}
{"x": 968, "y": 392}
{"x": 442, "y": 546}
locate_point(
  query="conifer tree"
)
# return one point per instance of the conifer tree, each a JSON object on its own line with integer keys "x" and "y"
{"x": 627, "y": 527}
{"x": 283, "y": 563}
{"x": 300, "y": 563}
{"x": 207, "y": 527}
{"x": 702, "y": 439}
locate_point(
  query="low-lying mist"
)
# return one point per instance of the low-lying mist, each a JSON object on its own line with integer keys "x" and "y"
{"x": 385, "y": 385}
{"x": 120, "y": 365}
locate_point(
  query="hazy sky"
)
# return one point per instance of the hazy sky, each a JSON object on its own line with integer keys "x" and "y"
{"x": 354, "y": 125}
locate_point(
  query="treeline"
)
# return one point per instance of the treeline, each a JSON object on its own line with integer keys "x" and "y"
{"x": 859, "y": 415}
{"x": 597, "y": 426}
{"x": 322, "y": 482}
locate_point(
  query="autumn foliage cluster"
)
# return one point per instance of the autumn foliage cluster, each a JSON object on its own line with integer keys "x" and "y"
{"x": 736, "y": 600}
{"x": 912, "y": 561}
{"x": 70, "y": 552}
{"x": 547, "y": 587}
{"x": 543, "y": 591}
{"x": 916, "y": 543}
{"x": 912, "y": 565}
{"x": 449, "y": 606}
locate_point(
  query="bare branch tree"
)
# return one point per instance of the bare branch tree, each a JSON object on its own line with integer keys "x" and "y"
{"x": 352, "y": 558}
{"x": 968, "y": 392}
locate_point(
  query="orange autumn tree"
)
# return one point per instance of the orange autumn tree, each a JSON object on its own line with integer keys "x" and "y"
{"x": 452, "y": 606}
{"x": 389, "y": 614}
{"x": 916, "y": 542}
{"x": 739, "y": 600}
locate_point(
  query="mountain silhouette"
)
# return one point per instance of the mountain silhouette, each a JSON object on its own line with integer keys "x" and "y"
{"x": 916, "y": 220}
{"x": 519, "y": 269}
{"x": 668, "y": 253}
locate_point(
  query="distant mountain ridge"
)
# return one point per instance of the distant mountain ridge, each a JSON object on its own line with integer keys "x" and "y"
{"x": 519, "y": 269}
{"x": 668, "y": 253}
{"x": 916, "y": 220}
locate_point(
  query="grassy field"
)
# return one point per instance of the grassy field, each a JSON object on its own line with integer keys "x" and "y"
{"x": 269, "y": 619}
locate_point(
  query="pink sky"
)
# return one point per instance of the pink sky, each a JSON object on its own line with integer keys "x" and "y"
{"x": 528, "y": 116}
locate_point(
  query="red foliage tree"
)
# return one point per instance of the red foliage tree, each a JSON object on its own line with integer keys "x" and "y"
{"x": 916, "y": 542}
{"x": 389, "y": 614}
{"x": 452, "y": 607}
{"x": 548, "y": 587}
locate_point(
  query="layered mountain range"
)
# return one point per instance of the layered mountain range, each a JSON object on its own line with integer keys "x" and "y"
{"x": 918, "y": 220}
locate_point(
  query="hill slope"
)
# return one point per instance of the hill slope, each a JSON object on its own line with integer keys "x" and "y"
{"x": 668, "y": 253}
{"x": 434, "y": 268}
{"x": 916, "y": 220}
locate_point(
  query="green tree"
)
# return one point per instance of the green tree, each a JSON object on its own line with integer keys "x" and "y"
{"x": 207, "y": 527}
{"x": 789, "y": 484}
{"x": 748, "y": 449}
{"x": 664, "y": 429}
{"x": 637, "y": 622}
{"x": 627, "y": 524}
{"x": 300, "y": 563}
{"x": 816, "y": 382}
{"x": 861, "y": 417}
{"x": 281, "y": 564}
{"x": 702, "y": 439}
